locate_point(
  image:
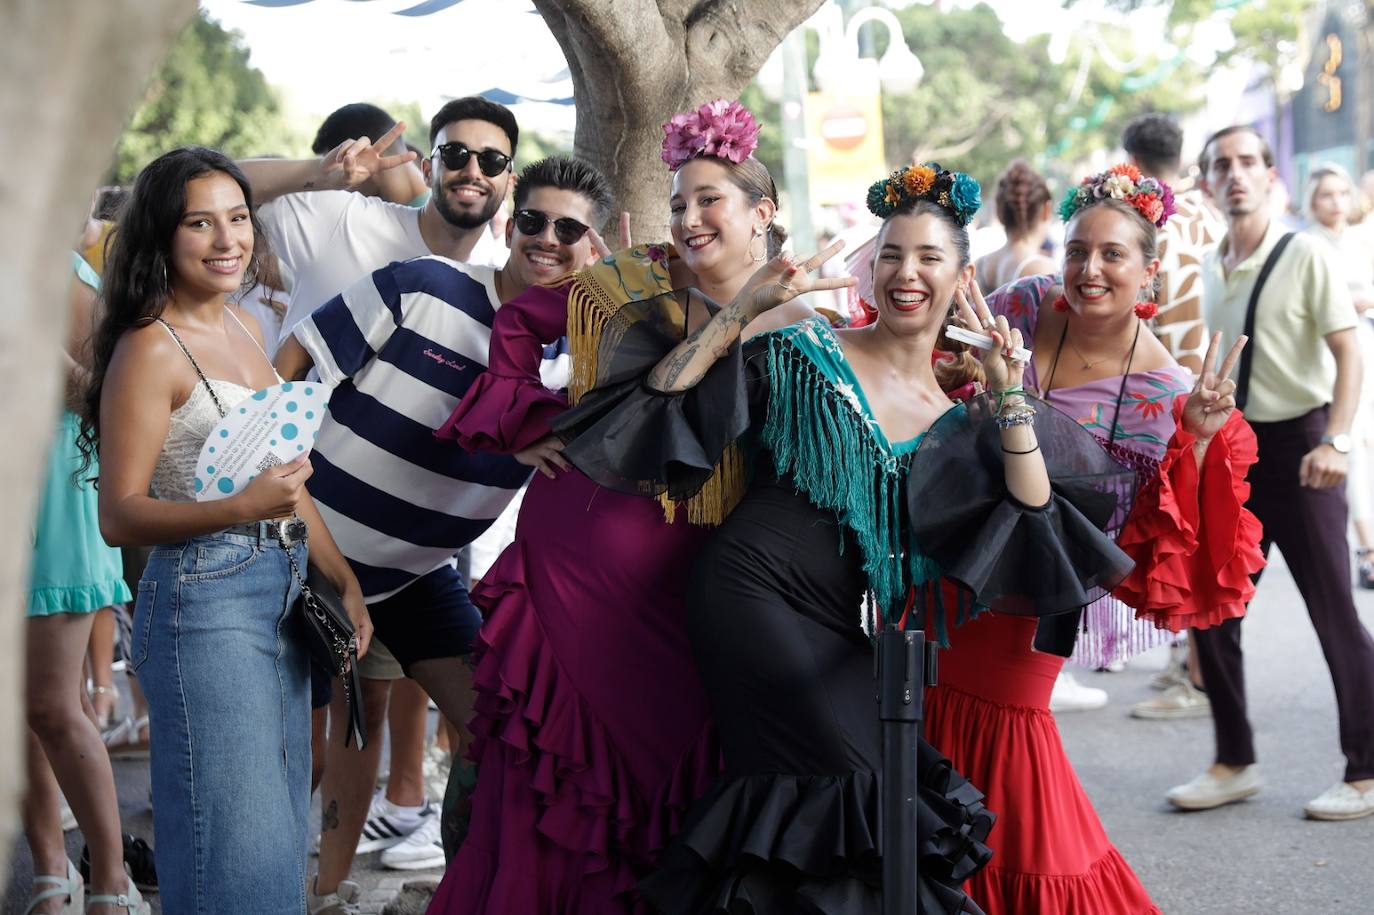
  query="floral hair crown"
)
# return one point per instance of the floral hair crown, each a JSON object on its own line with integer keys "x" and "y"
{"x": 722, "y": 128}
{"x": 955, "y": 191}
{"x": 1150, "y": 197}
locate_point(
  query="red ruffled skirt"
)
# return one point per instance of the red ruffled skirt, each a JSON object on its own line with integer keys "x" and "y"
{"x": 990, "y": 715}
{"x": 592, "y": 735}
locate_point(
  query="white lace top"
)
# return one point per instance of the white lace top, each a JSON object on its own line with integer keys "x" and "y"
{"x": 174, "y": 476}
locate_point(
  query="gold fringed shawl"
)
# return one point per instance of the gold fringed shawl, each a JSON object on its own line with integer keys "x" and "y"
{"x": 595, "y": 298}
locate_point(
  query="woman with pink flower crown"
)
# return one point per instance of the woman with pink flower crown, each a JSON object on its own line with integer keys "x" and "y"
{"x": 1194, "y": 544}
{"x": 592, "y": 734}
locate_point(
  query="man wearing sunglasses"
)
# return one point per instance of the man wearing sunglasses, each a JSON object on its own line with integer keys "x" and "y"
{"x": 401, "y": 347}
{"x": 329, "y": 232}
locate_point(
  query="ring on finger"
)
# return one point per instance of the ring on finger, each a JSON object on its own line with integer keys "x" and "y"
{"x": 989, "y": 323}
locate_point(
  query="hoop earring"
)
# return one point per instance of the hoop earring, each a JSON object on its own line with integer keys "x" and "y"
{"x": 758, "y": 258}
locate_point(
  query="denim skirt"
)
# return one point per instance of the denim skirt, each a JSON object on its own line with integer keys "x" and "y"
{"x": 221, "y": 658}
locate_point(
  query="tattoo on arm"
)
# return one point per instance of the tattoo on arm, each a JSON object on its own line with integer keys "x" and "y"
{"x": 309, "y": 185}
{"x": 686, "y": 365}
{"x": 330, "y": 818}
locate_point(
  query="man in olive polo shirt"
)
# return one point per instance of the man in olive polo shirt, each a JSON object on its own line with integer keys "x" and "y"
{"x": 1299, "y": 386}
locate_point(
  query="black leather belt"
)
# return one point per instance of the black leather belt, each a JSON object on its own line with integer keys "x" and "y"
{"x": 289, "y": 531}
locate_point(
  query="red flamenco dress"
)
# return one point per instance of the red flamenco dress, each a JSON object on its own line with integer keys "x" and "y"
{"x": 1195, "y": 547}
{"x": 592, "y": 734}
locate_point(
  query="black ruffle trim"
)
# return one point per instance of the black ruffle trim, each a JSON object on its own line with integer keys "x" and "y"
{"x": 781, "y": 844}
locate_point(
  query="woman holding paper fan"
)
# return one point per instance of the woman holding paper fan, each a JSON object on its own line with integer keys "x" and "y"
{"x": 215, "y": 644}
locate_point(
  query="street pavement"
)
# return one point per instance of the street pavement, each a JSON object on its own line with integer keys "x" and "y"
{"x": 1258, "y": 856}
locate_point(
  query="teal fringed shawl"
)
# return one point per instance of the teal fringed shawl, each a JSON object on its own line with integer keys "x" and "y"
{"x": 821, "y": 430}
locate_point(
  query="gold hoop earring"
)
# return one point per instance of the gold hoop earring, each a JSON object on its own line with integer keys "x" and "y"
{"x": 758, "y": 258}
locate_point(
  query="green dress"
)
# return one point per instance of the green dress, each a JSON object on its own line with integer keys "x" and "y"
{"x": 74, "y": 569}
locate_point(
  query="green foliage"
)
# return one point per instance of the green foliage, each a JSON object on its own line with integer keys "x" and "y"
{"x": 1265, "y": 30}
{"x": 986, "y": 100}
{"x": 207, "y": 93}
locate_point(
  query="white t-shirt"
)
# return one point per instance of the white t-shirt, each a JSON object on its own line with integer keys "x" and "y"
{"x": 332, "y": 239}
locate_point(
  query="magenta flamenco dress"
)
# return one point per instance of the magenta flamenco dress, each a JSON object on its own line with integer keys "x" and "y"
{"x": 592, "y": 735}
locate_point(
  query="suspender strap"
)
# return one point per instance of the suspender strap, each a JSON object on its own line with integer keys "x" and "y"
{"x": 1248, "y": 354}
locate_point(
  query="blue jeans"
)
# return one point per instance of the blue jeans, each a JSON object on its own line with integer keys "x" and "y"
{"x": 221, "y": 659}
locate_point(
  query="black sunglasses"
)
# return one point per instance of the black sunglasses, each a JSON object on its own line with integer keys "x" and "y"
{"x": 455, "y": 157}
{"x": 568, "y": 230}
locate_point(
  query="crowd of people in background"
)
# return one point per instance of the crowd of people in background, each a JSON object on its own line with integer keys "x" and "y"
{"x": 628, "y": 514}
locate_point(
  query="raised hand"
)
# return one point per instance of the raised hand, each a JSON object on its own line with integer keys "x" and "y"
{"x": 599, "y": 249}
{"x": 1001, "y": 371}
{"x": 1213, "y": 398}
{"x": 785, "y": 277}
{"x": 353, "y": 162}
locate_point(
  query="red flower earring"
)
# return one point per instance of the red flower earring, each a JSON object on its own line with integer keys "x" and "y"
{"x": 1146, "y": 310}
{"x": 1061, "y": 304}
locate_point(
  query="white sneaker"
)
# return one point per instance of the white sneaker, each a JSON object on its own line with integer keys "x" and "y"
{"x": 422, "y": 849}
{"x": 343, "y": 901}
{"x": 1071, "y": 696}
{"x": 1342, "y": 801}
{"x": 1176, "y": 670}
{"x": 1208, "y": 790}
{"x": 388, "y": 825}
{"x": 1182, "y": 700}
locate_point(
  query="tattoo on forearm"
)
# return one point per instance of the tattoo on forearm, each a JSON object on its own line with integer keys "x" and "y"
{"x": 309, "y": 185}
{"x": 683, "y": 367}
{"x": 330, "y": 818}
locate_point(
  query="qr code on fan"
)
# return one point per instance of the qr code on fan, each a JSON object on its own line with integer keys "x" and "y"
{"x": 268, "y": 460}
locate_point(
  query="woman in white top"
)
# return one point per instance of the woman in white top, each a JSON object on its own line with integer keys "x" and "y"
{"x": 1023, "y": 208}
{"x": 1329, "y": 203}
{"x": 216, "y": 645}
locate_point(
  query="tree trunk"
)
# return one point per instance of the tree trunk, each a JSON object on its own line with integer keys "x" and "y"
{"x": 636, "y": 63}
{"x": 72, "y": 72}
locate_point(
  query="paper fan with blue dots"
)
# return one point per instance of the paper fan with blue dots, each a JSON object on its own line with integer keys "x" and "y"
{"x": 269, "y": 427}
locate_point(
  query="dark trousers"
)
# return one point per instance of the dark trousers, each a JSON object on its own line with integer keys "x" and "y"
{"x": 1309, "y": 527}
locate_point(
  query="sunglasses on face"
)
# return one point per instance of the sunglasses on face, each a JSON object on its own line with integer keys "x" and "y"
{"x": 455, "y": 157}
{"x": 568, "y": 230}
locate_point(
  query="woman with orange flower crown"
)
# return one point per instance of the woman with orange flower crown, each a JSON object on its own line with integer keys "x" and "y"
{"x": 592, "y": 733}
{"x": 830, "y": 423}
{"x": 1194, "y": 544}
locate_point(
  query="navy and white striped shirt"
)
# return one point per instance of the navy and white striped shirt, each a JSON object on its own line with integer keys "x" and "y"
{"x": 402, "y": 347}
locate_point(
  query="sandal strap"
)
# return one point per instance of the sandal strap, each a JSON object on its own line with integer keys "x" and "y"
{"x": 60, "y": 887}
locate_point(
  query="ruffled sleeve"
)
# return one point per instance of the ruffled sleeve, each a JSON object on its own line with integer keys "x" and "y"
{"x": 1014, "y": 558}
{"x": 1195, "y": 544}
{"x": 507, "y": 408}
{"x": 629, "y": 437}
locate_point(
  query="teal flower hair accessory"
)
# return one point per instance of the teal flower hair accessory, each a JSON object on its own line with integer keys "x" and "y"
{"x": 956, "y": 192}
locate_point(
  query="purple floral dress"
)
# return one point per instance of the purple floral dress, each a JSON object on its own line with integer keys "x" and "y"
{"x": 1137, "y": 435}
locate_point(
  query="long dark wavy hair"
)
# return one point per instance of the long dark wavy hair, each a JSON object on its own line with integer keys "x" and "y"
{"x": 136, "y": 285}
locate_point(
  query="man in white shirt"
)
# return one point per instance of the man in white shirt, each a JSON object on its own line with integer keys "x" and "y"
{"x": 330, "y": 236}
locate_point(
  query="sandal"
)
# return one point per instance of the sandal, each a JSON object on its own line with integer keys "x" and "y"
{"x": 103, "y": 721}
{"x": 72, "y": 888}
{"x": 126, "y": 903}
{"x": 126, "y": 741}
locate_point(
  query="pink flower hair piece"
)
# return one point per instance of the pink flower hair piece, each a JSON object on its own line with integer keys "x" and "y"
{"x": 722, "y": 128}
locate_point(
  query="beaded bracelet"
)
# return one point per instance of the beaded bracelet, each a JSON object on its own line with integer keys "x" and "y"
{"x": 1023, "y": 417}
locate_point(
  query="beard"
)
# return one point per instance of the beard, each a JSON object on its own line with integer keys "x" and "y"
{"x": 465, "y": 220}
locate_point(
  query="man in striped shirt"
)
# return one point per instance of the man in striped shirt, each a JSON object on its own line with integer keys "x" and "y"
{"x": 402, "y": 347}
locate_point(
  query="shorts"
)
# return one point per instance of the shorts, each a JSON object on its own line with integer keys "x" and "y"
{"x": 379, "y": 663}
{"x": 432, "y": 617}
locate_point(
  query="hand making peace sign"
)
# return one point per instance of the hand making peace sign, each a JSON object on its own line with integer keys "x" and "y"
{"x": 999, "y": 368}
{"x": 354, "y": 161}
{"x": 1214, "y": 396}
{"x": 785, "y": 277}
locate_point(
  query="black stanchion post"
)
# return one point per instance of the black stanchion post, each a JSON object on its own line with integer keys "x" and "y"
{"x": 901, "y": 675}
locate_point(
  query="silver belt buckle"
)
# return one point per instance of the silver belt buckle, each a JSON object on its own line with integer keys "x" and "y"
{"x": 292, "y": 531}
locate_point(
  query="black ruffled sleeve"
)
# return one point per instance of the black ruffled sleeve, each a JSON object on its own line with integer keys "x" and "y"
{"x": 1018, "y": 559}
{"x": 628, "y": 437}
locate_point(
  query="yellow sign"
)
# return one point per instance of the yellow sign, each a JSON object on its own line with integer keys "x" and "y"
{"x": 844, "y": 144}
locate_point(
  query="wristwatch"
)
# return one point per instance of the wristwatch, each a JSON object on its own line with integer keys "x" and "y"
{"x": 1340, "y": 441}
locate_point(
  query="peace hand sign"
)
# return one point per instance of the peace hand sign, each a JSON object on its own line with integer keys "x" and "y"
{"x": 999, "y": 368}
{"x": 1213, "y": 399}
{"x": 784, "y": 278}
{"x": 599, "y": 249}
{"x": 354, "y": 161}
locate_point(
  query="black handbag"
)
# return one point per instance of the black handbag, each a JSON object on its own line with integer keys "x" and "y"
{"x": 330, "y": 639}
